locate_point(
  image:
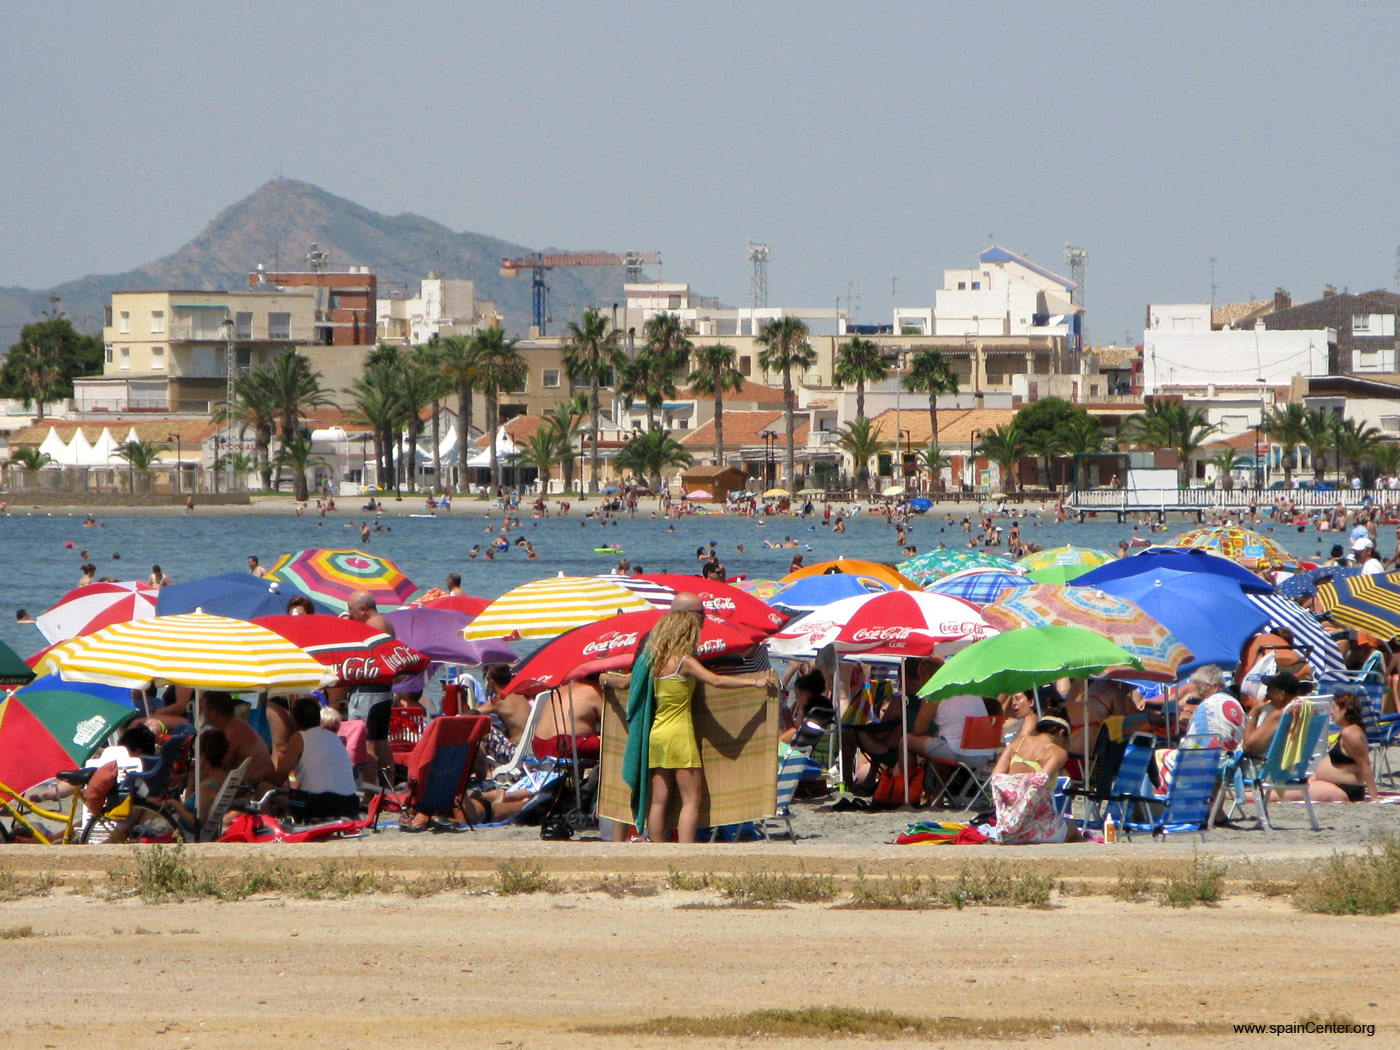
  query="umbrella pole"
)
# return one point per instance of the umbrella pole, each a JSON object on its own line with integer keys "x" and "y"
{"x": 904, "y": 730}
{"x": 198, "y": 694}
{"x": 1084, "y": 768}
{"x": 573, "y": 754}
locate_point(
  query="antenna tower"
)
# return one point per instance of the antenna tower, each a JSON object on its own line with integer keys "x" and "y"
{"x": 317, "y": 258}
{"x": 1075, "y": 258}
{"x": 758, "y": 285}
{"x": 1212, "y": 289}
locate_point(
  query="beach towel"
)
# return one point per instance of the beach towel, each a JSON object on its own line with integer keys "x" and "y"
{"x": 641, "y": 710}
{"x": 1297, "y": 737}
{"x": 737, "y": 730}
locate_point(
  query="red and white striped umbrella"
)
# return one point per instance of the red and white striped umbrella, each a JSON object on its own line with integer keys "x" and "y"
{"x": 84, "y": 610}
{"x": 905, "y": 623}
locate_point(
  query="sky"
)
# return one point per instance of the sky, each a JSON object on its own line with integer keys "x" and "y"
{"x": 859, "y": 141}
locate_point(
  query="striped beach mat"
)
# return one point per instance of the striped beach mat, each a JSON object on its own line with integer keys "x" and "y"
{"x": 737, "y": 730}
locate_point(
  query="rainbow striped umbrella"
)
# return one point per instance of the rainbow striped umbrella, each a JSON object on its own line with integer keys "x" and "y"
{"x": 1062, "y": 564}
{"x": 547, "y": 608}
{"x": 944, "y": 561}
{"x": 760, "y": 587}
{"x": 1243, "y": 546}
{"x": 331, "y": 576}
{"x": 1049, "y": 605}
{"x": 198, "y": 650}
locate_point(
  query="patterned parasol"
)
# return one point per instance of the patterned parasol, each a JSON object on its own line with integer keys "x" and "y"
{"x": 980, "y": 586}
{"x": 944, "y": 561}
{"x": 1062, "y": 564}
{"x": 760, "y": 587}
{"x": 1244, "y": 546}
{"x": 878, "y": 570}
{"x": 1367, "y": 603}
{"x": 1048, "y": 605}
{"x": 331, "y": 576}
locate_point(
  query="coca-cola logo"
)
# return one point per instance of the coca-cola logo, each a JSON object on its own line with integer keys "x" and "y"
{"x": 718, "y": 603}
{"x": 881, "y": 634}
{"x": 359, "y": 669}
{"x": 710, "y": 646}
{"x": 607, "y": 643}
{"x": 961, "y": 628}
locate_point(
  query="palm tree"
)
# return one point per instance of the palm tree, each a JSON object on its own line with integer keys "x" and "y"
{"x": 1226, "y": 461}
{"x": 545, "y": 448}
{"x": 933, "y": 462}
{"x": 652, "y": 453}
{"x": 1286, "y": 426}
{"x": 566, "y": 417}
{"x": 1385, "y": 457}
{"x": 929, "y": 371}
{"x": 502, "y": 367}
{"x": 140, "y": 456}
{"x": 1083, "y": 436}
{"x": 416, "y": 386}
{"x": 1004, "y": 446}
{"x": 1319, "y": 435}
{"x": 429, "y": 354}
{"x": 861, "y": 441}
{"x": 651, "y": 375}
{"x": 41, "y": 374}
{"x": 255, "y": 406}
{"x": 1048, "y": 445}
{"x": 1355, "y": 442}
{"x": 716, "y": 373}
{"x": 294, "y": 386}
{"x": 457, "y": 359}
{"x": 590, "y": 356}
{"x": 785, "y": 347}
{"x": 1173, "y": 425}
{"x": 29, "y": 457}
{"x": 297, "y": 456}
{"x": 858, "y": 361}
{"x": 375, "y": 404}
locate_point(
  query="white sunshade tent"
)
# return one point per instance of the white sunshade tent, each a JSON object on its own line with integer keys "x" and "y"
{"x": 104, "y": 452}
{"x": 53, "y": 446}
{"x": 506, "y": 449}
{"x": 78, "y": 451}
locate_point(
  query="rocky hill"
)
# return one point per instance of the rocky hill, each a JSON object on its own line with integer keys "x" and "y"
{"x": 279, "y": 221}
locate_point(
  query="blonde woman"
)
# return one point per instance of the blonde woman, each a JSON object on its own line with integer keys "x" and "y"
{"x": 673, "y": 756}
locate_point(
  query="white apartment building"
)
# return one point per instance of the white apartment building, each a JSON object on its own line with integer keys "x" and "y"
{"x": 1180, "y": 350}
{"x": 443, "y": 306}
{"x": 1005, "y": 294}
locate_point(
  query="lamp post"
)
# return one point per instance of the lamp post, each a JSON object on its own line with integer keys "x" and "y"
{"x": 970, "y": 467}
{"x": 179, "y": 487}
{"x": 1260, "y": 467}
{"x": 768, "y": 438}
{"x": 230, "y": 372}
{"x": 903, "y": 467}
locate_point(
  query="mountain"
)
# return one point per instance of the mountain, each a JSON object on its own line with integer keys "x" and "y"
{"x": 280, "y": 220}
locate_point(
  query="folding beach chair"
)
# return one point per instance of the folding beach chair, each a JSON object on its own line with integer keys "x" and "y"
{"x": 1296, "y": 749}
{"x": 213, "y": 825}
{"x": 509, "y": 771}
{"x": 791, "y": 771}
{"x": 405, "y": 728}
{"x": 1187, "y": 806}
{"x": 1114, "y": 785}
{"x": 438, "y": 768}
{"x": 981, "y": 740}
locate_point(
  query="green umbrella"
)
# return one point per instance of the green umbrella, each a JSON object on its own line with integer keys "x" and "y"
{"x": 1062, "y": 564}
{"x": 1023, "y": 659}
{"x": 13, "y": 670}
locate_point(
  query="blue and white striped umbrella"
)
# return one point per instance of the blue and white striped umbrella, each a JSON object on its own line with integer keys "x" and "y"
{"x": 980, "y": 586}
{"x": 1306, "y": 582}
{"x": 1323, "y": 653}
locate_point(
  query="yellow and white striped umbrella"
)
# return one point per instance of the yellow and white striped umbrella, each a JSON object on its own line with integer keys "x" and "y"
{"x": 547, "y": 608}
{"x": 196, "y": 649}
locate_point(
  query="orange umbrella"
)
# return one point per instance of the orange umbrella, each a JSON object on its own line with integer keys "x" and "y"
{"x": 880, "y": 571}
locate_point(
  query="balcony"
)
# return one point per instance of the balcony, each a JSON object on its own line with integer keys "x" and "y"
{"x": 187, "y": 333}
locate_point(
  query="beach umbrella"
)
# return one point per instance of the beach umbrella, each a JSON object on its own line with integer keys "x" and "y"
{"x": 610, "y": 645}
{"x": 776, "y": 492}
{"x": 467, "y": 604}
{"x": 1062, "y": 564}
{"x": 1045, "y": 605}
{"x": 1245, "y": 546}
{"x": 855, "y": 566}
{"x": 549, "y": 607}
{"x": 1323, "y": 652}
{"x": 1208, "y": 614}
{"x": 1306, "y": 582}
{"x": 760, "y": 587}
{"x": 198, "y": 650}
{"x": 1369, "y": 603}
{"x": 52, "y": 725}
{"x": 811, "y": 492}
{"x": 932, "y": 565}
{"x": 812, "y": 592}
{"x": 95, "y": 606}
{"x": 238, "y": 595}
{"x": 1024, "y": 659}
{"x": 354, "y": 652}
{"x": 657, "y": 594}
{"x": 1164, "y": 561}
{"x": 725, "y": 602}
{"x": 13, "y": 670}
{"x": 332, "y": 575}
{"x": 980, "y": 586}
{"x": 921, "y": 504}
{"x": 909, "y": 623}
{"x": 437, "y": 634}
{"x": 700, "y": 494}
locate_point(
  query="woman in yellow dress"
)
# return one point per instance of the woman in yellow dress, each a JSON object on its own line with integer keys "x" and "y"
{"x": 673, "y": 756}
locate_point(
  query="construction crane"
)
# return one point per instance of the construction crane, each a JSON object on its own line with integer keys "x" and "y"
{"x": 537, "y": 263}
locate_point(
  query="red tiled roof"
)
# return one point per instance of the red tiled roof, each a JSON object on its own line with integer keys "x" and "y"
{"x": 752, "y": 393}
{"x": 955, "y": 426}
{"x": 743, "y": 429}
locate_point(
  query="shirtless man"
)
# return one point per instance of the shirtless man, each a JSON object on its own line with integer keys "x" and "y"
{"x": 579, "y": 704}
{"x": 254, "y": 568}
{"x": 216, "y": 710}
{"x": 512, "y": 711}
{"x": 372, "y": 701}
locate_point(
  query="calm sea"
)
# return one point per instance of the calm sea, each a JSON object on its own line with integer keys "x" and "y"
{"x": 38, "y": 567}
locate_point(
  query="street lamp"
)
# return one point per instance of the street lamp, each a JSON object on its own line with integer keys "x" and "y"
{"x": 179, "y": 487}
{"x": 230, "y": 378}
{"x": 1259, "y": 467}
{"x": 768, "y": 439}
{"x": 970, "y": 467}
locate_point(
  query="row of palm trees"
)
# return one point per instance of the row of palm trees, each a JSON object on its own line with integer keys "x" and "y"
{"x": 1350, "y": 443}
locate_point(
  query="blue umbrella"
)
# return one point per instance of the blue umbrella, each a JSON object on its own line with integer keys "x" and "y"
{"x": 239, "y": 595}
{"x": 1209, "y": 615}
{"x": 920, "y": 504}
{"x": 1165, "y": 560}
{"x": 812, "y": 592}
{"x": 1306, "y": 582}
{"x": 980, "y": 586}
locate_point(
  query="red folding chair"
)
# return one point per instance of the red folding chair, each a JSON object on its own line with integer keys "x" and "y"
{"x": 405, "y": 727}
{"x": 439, "y": 766}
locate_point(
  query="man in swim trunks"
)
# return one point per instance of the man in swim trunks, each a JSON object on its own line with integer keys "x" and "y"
{"x": 371, "y": 702}
{"x": 580, "y": 706}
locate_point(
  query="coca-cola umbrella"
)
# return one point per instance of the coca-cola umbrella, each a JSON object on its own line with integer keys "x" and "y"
{"x": 726, "y": 602}
{"x": 354, "y": 652}
{"x": 612, "y": 644}
{"x": 95, "y": 606}
{"x": 929, "y": 619}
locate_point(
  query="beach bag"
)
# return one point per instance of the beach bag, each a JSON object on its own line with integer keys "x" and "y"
{"x": 889, "y": 788}
{"x": 1253, "y": 684}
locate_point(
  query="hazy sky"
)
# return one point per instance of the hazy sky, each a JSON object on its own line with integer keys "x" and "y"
{"x": 857, "y": 140}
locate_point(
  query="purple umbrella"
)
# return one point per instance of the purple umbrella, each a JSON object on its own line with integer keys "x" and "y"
{"x": 437, "y": 634}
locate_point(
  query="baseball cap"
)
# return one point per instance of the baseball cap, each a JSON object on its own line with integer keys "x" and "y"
{"x": 1362, "y": 543}
{"x": 1285, "y": 681}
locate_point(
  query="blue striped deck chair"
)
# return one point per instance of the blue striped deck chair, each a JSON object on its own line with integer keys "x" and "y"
{"x": 1281, "y": 770}
{"x": 1187, "y": 805}
{"x": 1128, "y": 783}
{"x": 794, "y": 767}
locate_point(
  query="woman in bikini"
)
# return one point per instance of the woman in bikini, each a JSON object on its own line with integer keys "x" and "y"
{"x": 1023, "y": 784}
{"x": 1345, "y": 773}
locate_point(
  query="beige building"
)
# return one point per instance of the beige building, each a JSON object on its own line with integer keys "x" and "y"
{"x": 169, "y": 350}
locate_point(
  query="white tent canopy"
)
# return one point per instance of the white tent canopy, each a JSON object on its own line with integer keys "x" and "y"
{"x": 506, "y": 450}
{"x": 53, "y": 446}
{"x": 104, "y": 453}
{"x": 78, "y": 452}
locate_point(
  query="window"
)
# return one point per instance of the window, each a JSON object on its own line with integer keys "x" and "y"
{"x": 107, "y": 353}
{"x": 1390, "y": 424}
{"x": 1360, "y": 323}
{"x": 976, "y": 286}
{"x": 745, "y": 365}
{"x": 962, "y": 286}
{"x": 157, "y": 358}
{"x": 242, "y": 358}
{"x": 279, "y": 326}
{"x": 550, "y": 378}
{"x": 243, "y": 325}
{"x": 125, "y": 355}
{"x": 107, "y": 316}
{"x": 157, "y": 322}
{"x": 124, "y": 328}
